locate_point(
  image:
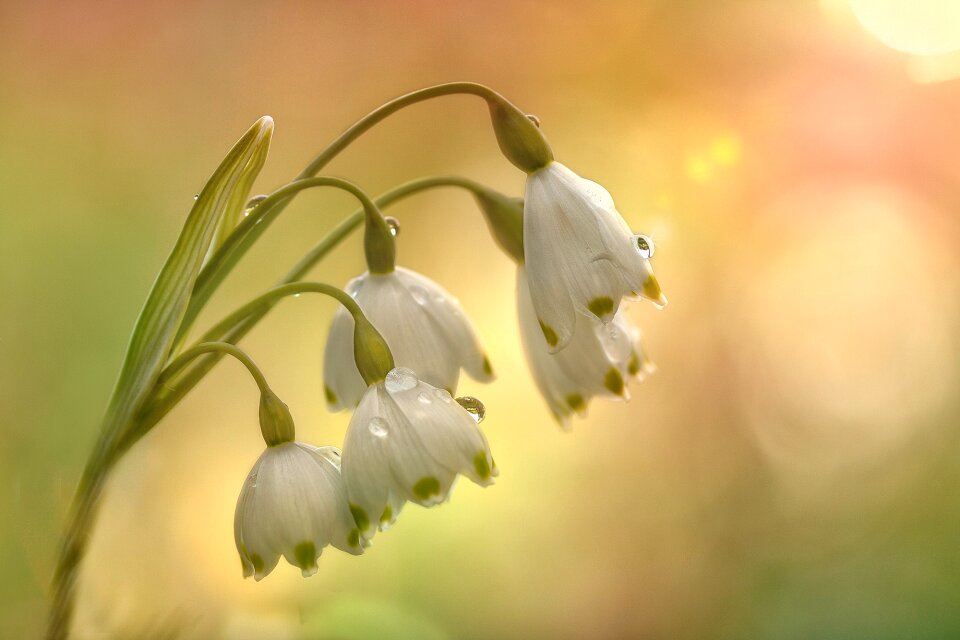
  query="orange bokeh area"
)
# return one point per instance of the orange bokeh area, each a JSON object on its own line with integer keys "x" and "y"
{"x": 790, "y": 471}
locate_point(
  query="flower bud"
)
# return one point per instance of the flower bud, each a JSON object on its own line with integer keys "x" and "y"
{"x": 276, "y": 423}
{"x": 519, "y": 138}
{"x": 504, "y": 216}
{"x": 370, "y": 351}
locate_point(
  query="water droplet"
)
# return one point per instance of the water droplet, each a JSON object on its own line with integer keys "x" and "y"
{"x": 643, "y": 244}
{"x": 254, "y": 201}
{"x": 400, "y": 379}
{"x": 296, "y": 295}
{"x": 394, "y": 225}
{"x": 425, "y": 398}
{"x": 196, "y": 196}
{"x": 534, "y": 119}
{"x": 474, "y": 407}
{"x": 378, "y": 427}
{"x": 419, "y": 294}
{"x": 444, "y": 395}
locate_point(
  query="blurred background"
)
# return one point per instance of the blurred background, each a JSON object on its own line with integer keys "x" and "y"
{"x": 790, "y": 472}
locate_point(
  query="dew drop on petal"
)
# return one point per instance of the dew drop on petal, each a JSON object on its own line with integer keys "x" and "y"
{"x": 644, "y": 245}
{"x": 394, "y": 225}
{"x": 400, "y": 379}
{"x": 196, "y": 196}
{"x": 425, "y": 398}
{"x": 444, "y": 395}
{"x": 474, "y": 407}
{"x": 534, "y": 119}
{"x": 378, "y": 427}
{"x": 419, "y": 294}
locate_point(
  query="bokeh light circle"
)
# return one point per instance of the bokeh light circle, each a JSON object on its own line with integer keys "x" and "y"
{"x": 919, "y": 27}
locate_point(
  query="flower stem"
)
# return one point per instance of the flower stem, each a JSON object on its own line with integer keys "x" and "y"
{"x": 166, "y": 398}
{"x": 380, "y": 113}
{"x": 244, "y": 235}
{"x": 202, "y": 348}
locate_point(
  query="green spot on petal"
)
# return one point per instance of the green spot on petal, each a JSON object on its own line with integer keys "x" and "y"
{"x": 481, "y": 466}
{"x": 633, "y": 366}
{"x": 306, "y": 555}
{"x": 651, "y": 288}
{"x": 353, "y": 539}
{"x": 360, "y": 517}
{"x": 575, "y": 400}
{"x": 614, "y": 381}
{"x": 487, "y": 368}
{"x": 601, "y": 306}
{"x": 426, "y": 487}
{"x": 549, "y": 334}
{"x": 257, "y": 562}
{"x": 330, "y": 395}
{"x": 386, "y": 516}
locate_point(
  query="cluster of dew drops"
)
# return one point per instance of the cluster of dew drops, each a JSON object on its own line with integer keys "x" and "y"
{"x": 402, "y": 379}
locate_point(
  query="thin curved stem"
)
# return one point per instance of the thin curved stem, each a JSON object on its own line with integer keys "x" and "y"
{"x": 266, "y": 300}
{"x": 247, "y": 233}
{"x": 243, "y": 236}
{"x": 365, "y": 123}
{"x": 166, "y": 398}
{"x": 225, "y": 348}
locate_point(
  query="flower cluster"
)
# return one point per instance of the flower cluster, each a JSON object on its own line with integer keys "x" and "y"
{"x": 394, "y": 351}
{"x": 409, "y": 439}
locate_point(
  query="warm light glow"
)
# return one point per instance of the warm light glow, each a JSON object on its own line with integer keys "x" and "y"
{"x": 920, "y": 27}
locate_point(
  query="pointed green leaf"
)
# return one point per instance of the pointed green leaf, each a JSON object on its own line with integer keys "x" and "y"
{"x": 157, "y": 325}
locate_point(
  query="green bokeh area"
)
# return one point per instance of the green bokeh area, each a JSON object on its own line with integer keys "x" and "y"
{"x": 791, "y": 471}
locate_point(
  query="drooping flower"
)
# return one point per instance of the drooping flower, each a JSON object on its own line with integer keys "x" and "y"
{"x": 597, "y": 360}
{"x": 408, "y": 441}
{"x": 580, "y": 254}
{"x": 293, "y": 504}
{"x": 423, "y": 325}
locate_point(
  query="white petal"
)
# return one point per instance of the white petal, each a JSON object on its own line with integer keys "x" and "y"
{"x": 449, "y": 433}
{"x": 450, "y": 322}
{"x": 417, "y": 475}
{"x": 594, "y": 362}
{"x": 366, "y": 465}
{"x": 576, "y": 241}
{"x": 415, "y": 341}
{"x": 343, "y": 384}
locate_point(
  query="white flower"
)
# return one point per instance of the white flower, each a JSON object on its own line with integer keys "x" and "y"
{"x": 423, "y": 325}
{"x": 407, "y": 441}
{"x": 580, "y": 254}
{"x": 293, "y": 504}
{"x": 597, "y": 360}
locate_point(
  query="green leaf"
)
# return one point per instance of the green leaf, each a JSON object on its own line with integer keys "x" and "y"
{"x": 156, "y": 328}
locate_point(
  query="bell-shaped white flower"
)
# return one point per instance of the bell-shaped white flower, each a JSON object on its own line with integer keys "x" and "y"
{"x": 293, "y": 504}
{"x": 597, "y": 360}
{"x": 580, "y": 254}
{"x": 423, "y": 325}
{"x": 408, "y": 441}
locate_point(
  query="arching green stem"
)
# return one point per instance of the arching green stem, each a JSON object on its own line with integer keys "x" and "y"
{"x": 241, "y": 239}
{"x": 276, "y": 423}
{"x": 215, "y": 347}
{"x": 167, "y": 397}
{"x": 519, "y": 139}
{"x": 507, "y": 120}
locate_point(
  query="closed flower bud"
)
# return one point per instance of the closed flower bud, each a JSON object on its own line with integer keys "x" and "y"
{"x": 581, "y": 257}
{"x": 293, "y": 504}
{"x": 408, "y": 441}
{"x": 423, "y": 325}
